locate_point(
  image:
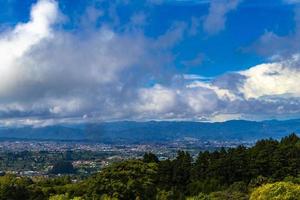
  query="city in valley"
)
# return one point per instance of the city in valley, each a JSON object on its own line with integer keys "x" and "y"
{"x": 36, "y": 158}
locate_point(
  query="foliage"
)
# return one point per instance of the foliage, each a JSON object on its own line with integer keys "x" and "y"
{"x": 14, "y": 188}
{"x": 220, "y": 195}
{"x": 277, "y": 191}
{"x": 200, "y": 196}
{"x": 125, "y": 180}
{"x": 64, "y": 197}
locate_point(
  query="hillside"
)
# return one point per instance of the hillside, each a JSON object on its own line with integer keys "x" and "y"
{"x": 156, "y": 131}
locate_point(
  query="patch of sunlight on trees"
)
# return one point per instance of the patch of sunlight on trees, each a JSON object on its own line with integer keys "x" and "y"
{"x": 64, "y": 197}
{"x": 220, "y": 195}
{"x": 277, "y": 191}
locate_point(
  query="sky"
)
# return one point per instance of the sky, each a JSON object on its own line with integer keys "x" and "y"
{"x": 66, "y": 61}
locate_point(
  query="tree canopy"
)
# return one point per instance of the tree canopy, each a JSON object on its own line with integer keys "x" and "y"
{"x": 268, "y": 170}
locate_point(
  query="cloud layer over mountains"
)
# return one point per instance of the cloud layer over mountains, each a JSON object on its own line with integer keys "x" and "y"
{"x": 49, "y": 74}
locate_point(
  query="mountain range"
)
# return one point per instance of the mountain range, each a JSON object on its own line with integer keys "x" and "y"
{"x": 155, "y": 131}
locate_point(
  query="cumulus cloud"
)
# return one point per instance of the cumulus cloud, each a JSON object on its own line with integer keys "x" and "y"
{"x": 50, "y": 75}
{"x": 261, "y": 92}
{"x": 49, "y": 72}
{"x": 157, "y": 99}
{"x": 186, "y": 102}
{"x": 216, "y": 19}
{"x": 272, "y": 79}
{"x": 266, "y": 90}
{"x": 224, "y": 94}
{"x": 15, "y": 43}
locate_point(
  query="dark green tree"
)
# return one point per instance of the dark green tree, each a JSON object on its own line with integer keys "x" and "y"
{"x": 62, "y": 167}
{"x": 150, "y": 158}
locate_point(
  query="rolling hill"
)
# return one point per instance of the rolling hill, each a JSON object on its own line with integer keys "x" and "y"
{"x": 155, "y": 131}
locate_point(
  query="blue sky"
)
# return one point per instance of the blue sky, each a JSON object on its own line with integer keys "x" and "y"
{"x": 205, "y": 60}
{"x": 221, "y": 52}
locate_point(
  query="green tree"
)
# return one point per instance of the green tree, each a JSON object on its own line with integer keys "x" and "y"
{"x": 150, "y": 157}
{"x": 126, "y": 180}
{"x": 14, "y": 188}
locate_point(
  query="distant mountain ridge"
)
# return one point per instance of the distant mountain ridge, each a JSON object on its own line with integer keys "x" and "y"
{"x": 156, "y": 131}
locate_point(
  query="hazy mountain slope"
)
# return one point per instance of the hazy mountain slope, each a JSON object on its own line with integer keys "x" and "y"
{"x": 153, "y": 131}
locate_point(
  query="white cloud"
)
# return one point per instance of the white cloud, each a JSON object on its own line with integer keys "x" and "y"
{"x": 223, "y": 94}
{"x": 264, "y": 91}
{"x": 225, "y": 117}
{"x": 157, "y": 99}
{"x": 279, "y": 78}
{"x": 215, "y": 21}
{"x": 15, "y": 43}
{"x": 199, "y": 100}
{"x": 49, "y": 72}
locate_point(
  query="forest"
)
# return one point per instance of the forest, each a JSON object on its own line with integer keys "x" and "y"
{"x": 268, "y": 170}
